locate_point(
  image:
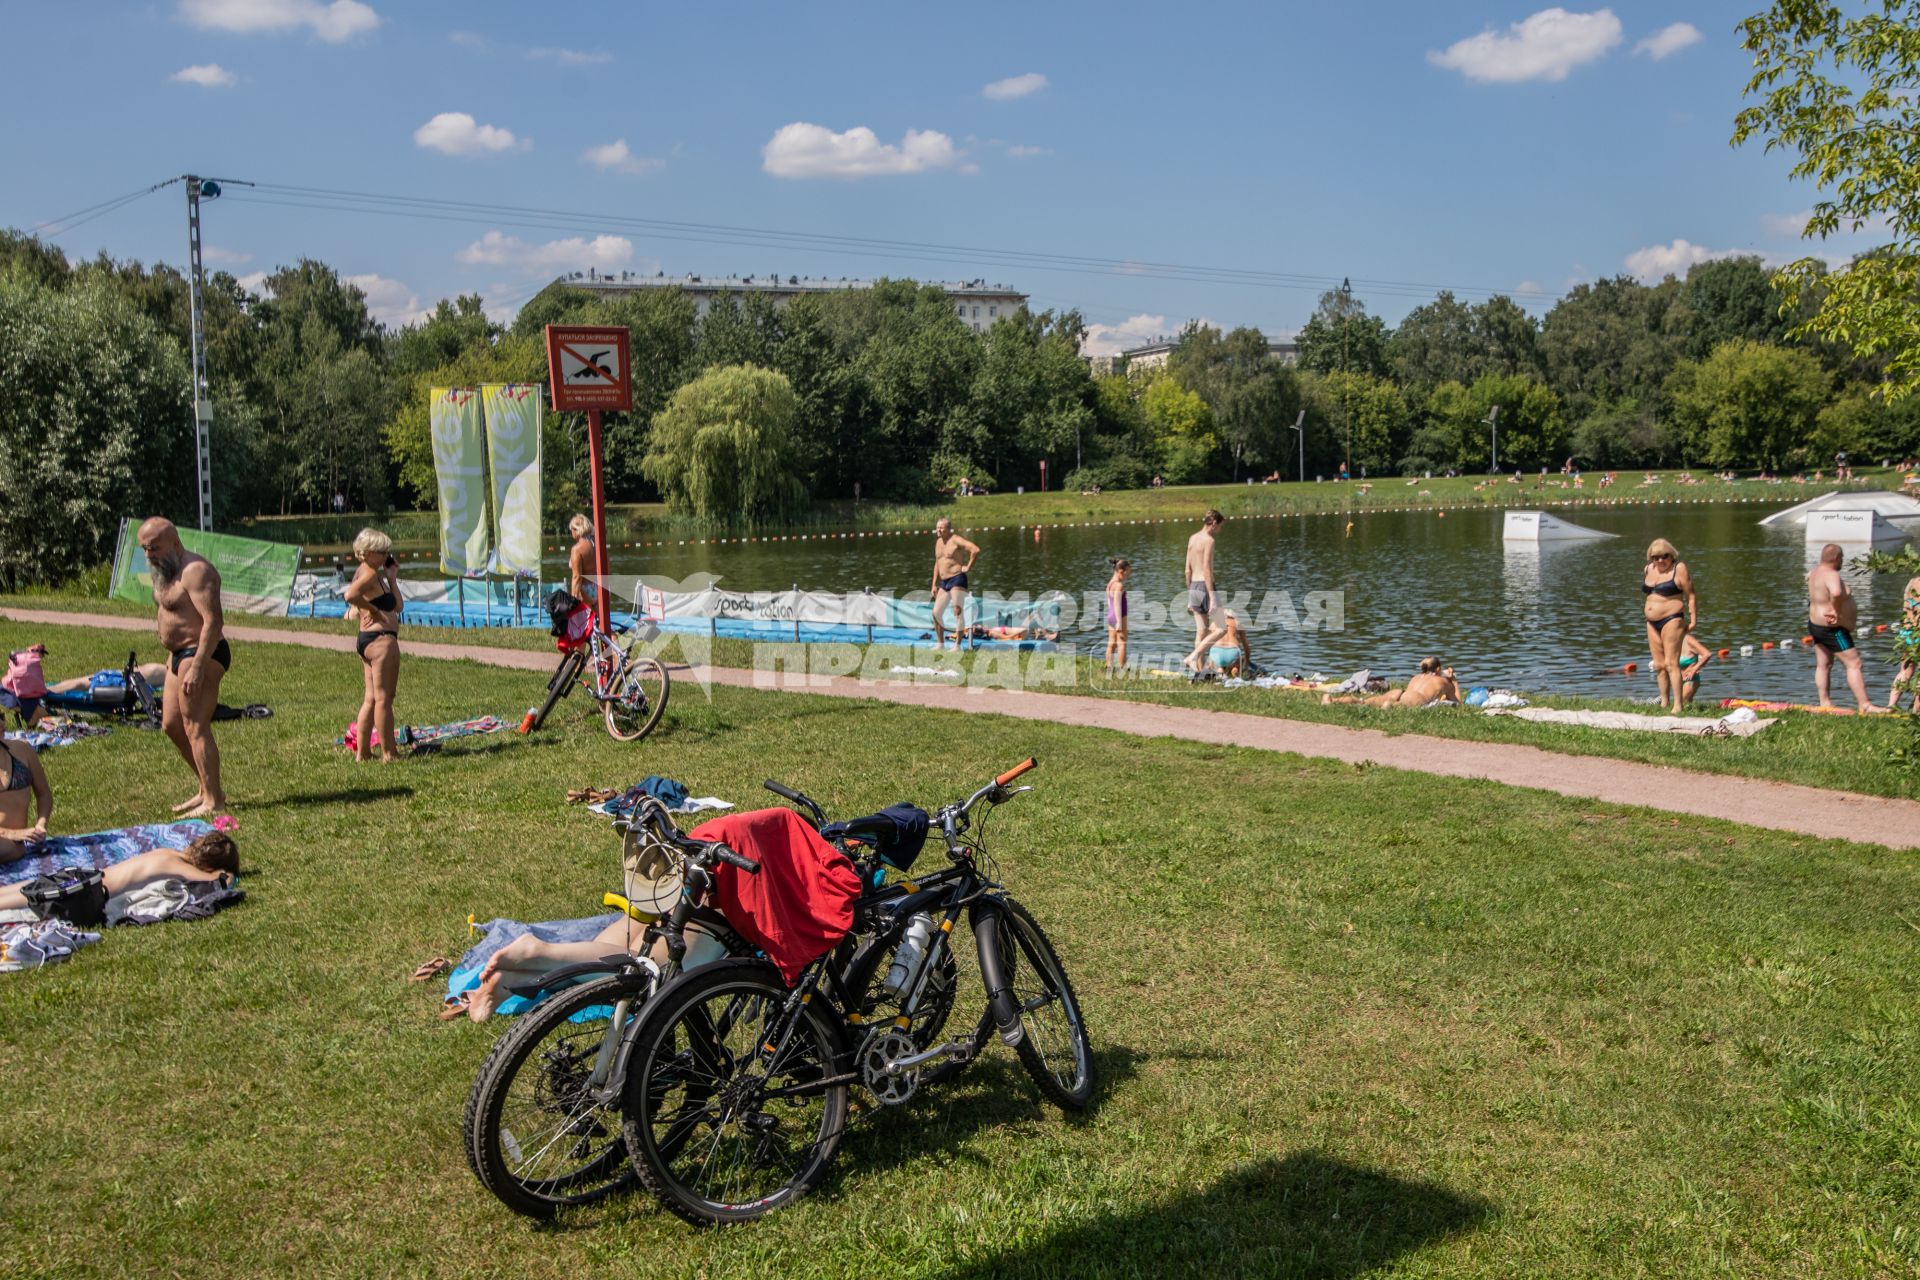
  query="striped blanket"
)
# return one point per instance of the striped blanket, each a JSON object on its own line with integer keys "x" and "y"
{"x": 102, "y": 849}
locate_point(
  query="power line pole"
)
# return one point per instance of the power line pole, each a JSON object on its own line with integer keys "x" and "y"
{"x": 199, "y": 188}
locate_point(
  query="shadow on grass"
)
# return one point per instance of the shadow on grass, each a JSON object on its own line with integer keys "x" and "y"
{"x": 1310, "y": 1215}
{"x": 353, "y": 795}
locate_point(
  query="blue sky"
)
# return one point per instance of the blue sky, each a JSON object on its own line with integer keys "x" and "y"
{"x": 1482, "y": 146}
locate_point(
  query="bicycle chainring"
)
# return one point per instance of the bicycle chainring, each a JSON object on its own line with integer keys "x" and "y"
{"x": 884, "y": 1045}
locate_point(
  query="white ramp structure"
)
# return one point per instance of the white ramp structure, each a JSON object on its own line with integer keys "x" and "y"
{"x": 1896, "y": 509}
{"x": 1853, "y": 528}
{"x": 1538, "y": 526}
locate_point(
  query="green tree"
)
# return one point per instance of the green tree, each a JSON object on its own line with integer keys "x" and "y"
{"x": 1610, "y": 341}
{"x": 1532, "y": 429}
{"x": 451, "y": 329}
{"x": 1342, "y": 335}
{"x": 1366, "y": 420}
{"x": 723, "y": 447}
{"x": 78, "y": 453}
{"x": 1747, "y": 404}
{"x": 1032, "y": 398}
{"x": 1725, "y": 299}
{"x": 1182, "y": 425}
{"x": 1836, "y": 90}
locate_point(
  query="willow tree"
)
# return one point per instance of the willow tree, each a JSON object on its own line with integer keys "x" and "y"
{"x": 1836, "y": 87}
{"x": 723, "y": 448}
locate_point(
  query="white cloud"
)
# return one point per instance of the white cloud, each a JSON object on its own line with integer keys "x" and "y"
{"x": 802, "y": 150}
{"x": 469, "y": 40}
{"x": 1112, "y": 339}
{"x": 1528, "y": 286}
{"x": 340, "y": 20}
{"x": 1658, "y": 261}
{"x": 1545, "y": 46}
{"x": 209, "y": 75}
{"x": 230, "y": 257}
{"x": 1020, "y": 151}
{"x": 458, "y": 134}
{"x": 389, "y": 301}
{"x": 1785, "y": 224}
{"x": 616, "y": 157}
{"x": 575, "y": 253}
{"x": 253, "y": 282}
{"x": 572, "y": 57}
{"x": 1668, "y": 40}
{"x": 1014, "y": 87}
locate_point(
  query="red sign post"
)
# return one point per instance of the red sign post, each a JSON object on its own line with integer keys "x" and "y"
{"x": 591, "y": 369}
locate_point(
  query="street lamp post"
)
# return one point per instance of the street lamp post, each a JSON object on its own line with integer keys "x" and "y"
{"x": 1300, "y": 429}
{"x": 1346, "y": 392}
{"x": 1493, "y": 420}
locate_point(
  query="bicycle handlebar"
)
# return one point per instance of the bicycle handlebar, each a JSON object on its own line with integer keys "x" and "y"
{"x": 800, "y": 798}
{"x": 1031, "y": 762}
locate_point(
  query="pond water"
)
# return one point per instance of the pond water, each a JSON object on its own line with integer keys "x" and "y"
{"x": 1560, "y": 619}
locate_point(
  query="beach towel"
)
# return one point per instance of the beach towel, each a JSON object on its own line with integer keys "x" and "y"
{"x": 496, "y": 934}
{"x": 428, "y": 737}
{"x": 57, "y": 731}
{"x": 101, "y": 849}
{"x": 1725, "y": 726}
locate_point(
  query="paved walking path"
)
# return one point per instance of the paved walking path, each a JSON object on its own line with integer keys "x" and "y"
{"x": 1781, "y": 806}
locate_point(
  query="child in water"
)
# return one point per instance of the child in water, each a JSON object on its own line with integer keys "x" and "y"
{"x": 1117, "y": 615}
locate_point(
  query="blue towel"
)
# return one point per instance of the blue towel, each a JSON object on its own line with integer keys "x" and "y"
{"x": 498, "y": 933}
{"x": 102, "y": 849}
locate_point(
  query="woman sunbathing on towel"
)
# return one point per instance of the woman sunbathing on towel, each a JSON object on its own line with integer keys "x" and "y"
{"x": 1433, "y": 684}
{"x": 24, "y": 777}
{"x": 154, "y": 673}
{"x": 208, "y": 858}
{"x": 528, "y": 957}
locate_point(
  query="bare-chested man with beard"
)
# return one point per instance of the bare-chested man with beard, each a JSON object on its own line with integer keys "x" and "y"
{"x": 186, "y": 589}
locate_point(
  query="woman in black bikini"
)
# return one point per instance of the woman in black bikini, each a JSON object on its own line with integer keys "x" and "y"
{"x": 24, "y": 778}
{"x": 375, "y": 593}
{"x": 1672, "y": 611}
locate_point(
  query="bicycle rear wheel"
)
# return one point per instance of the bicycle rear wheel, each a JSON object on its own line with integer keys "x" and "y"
{"x": 720, "y": 1129}
{"x": 633, "y": 709}
{"x": 535, "y": 1135}
{"x": 1055, "y": 1049}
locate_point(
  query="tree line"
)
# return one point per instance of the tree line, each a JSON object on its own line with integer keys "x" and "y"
{"x": 882, "y": 392}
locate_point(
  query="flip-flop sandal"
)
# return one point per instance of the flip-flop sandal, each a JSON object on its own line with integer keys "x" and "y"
{"x": 431, "y": 969}
{"x": 456, "y": 1007}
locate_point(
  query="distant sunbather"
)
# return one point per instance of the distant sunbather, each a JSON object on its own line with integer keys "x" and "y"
{"x": 1433, "y": 683}
{"x": 154, "y": 673}
{"x": 208, "y": 858}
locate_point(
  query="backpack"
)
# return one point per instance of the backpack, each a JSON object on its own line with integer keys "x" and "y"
{"x": 560, "y": 606}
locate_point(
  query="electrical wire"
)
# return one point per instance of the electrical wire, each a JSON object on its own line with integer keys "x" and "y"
{"x": 442, "y": 210}
{"x": 80, "y": 217}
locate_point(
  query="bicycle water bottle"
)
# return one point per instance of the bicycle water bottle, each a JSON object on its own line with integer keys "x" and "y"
{"x": 906, "y": 958}
{"x": 526, "y": 721}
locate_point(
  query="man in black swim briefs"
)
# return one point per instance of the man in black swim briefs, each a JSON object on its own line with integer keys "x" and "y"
{"x": 186, "y": 594}
{"x": 950, "y": 580}
{"x": 1831, "y": 616}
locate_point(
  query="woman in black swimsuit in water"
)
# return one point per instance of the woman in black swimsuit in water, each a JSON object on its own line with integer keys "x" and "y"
{"x": 1672, "y": 611}
{"x": 24, "y": 778}
{"x": 375, "y": 593}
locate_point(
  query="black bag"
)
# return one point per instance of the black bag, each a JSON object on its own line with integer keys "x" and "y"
{"x": 77, "y": 895}
{"x": 560, "y": 606}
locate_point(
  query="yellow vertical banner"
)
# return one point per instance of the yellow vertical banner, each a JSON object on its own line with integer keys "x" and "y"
{"x": 513, "y": 449}
{"x": 460, "y": 464}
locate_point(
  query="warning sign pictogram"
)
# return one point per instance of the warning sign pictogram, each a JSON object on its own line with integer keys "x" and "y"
{"x": 589, "y": 367}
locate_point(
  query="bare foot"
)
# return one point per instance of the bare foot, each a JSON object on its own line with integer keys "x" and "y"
{"x": 485, "y": 998}
{"x": 199, "y": 798}
{"x": 1326, "y": 699}
{"x": 514, "y": 955}
{"x": 389, "y": 757}
{"x": 206, "y": 808}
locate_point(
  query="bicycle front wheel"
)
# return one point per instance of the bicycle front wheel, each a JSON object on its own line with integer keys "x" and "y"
{"x": 557, "y": 688}
{"x": 636, "y": 705}
{"x": 1055, "y": 1049}
{"x": 721, "y": 1128}
{"x": 537, "y": 1136}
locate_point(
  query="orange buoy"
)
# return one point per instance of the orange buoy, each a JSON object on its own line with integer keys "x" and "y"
{"x": 1806, "y": 639}
{"x": 1443, "y": 515}
{"x": 1629, "y": 669}
{"x": 1723, "y": 653}
{"x": 1881, "y": 627}
{"x": 1768, "y": 644}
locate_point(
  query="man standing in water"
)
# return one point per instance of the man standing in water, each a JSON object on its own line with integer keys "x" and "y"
{"x": 1831, "y": 614}
{"x": 1203, "y": 601}
{"x": 950, "y": 580}
{"x": 186, "y": 589}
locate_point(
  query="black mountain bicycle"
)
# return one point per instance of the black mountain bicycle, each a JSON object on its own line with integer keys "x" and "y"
{"x": 737, "y": 1085}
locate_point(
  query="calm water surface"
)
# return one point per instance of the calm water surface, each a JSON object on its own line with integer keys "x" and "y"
{"x": 1552, "y": 619}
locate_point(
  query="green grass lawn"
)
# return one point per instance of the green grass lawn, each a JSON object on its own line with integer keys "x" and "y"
{"x": 1347, "y": 1020}
{"x": 627, "y": 521}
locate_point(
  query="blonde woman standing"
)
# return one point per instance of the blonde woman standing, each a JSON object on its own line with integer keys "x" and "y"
{"x": 1671, "y": 610}
{"x": 375, "y": 594}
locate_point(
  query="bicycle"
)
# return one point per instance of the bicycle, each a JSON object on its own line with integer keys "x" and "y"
{"x": 737, "y": 1086}
{"x": 630, "y": 686}
{"x": 541, "y": 1127}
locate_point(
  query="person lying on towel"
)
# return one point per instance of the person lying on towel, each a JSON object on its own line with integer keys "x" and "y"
{"x": 208, "y": 858}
